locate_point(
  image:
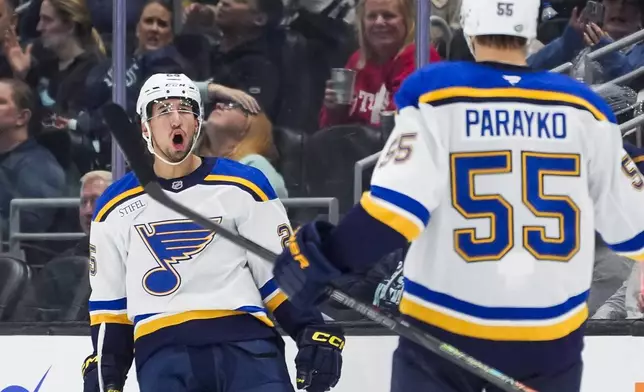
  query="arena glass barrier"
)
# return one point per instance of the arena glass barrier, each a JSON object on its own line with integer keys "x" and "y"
{"x": 16, "y": 236}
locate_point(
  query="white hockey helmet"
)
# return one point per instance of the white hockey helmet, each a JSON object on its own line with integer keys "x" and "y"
{"x": 164, "y": 86}
{"x": 517, "y": 18}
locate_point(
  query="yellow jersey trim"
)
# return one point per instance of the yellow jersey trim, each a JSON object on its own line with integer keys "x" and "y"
{"x": 102, "y": 214}
{"x": 396, "y": 221}
{"x": 96, "y": 319}
{"x": 240, "y": 181}
{"x": 276, "y": 301}
{"x": 489, "y": 332}
{"x": 539, "y": 95}
{"x": 145, "y": 328}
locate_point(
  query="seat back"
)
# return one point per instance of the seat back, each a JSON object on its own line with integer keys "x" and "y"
{"x": 59, "y": 292}
{"x": 290, "y": 146}
{"x": 14, "y": 275}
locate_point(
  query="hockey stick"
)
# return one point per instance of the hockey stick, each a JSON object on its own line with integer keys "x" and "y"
{"x": 128, "y": 137}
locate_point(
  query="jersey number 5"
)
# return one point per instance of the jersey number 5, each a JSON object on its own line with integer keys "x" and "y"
{"x": 535, "y": 167}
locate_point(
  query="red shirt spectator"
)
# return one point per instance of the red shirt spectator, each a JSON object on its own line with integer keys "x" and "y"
{"x": 375, "y": 86}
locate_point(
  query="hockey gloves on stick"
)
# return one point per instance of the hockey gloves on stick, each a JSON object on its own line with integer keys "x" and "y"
{"x": 110, "y": 375}
{"x": 302, "y": 271}
{"x": 319, "y": 359}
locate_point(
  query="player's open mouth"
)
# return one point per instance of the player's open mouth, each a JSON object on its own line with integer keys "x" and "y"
{"x": 178, "y": 141}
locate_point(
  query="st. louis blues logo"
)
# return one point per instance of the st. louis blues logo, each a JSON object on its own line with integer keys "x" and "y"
{"x": 171, "y": 242}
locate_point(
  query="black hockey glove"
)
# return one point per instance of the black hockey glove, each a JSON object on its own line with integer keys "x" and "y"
{"x": 110, "y": 376}
{"x": 319, "y": 359}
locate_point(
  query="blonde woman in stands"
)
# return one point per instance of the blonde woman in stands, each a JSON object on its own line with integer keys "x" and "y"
{"x": 233, "y": 132}
{"x": 385, "y": 58}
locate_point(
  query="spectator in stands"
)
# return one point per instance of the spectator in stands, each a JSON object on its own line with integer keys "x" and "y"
{"x": 71, "y": 49}
{"x": 232, "y": 132}
{"x": 92, "y": 186}
{"x": 621, "y": 18}
{"x": 27, "y": 170}
{"x": 8, "y": 21}
{"x": 247, "y": 54}
{"x": 385, "y": 58}
{"x": 625, "y": 303}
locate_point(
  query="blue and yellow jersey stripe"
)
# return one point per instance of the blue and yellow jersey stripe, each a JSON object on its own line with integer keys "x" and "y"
{"x": 509, "y": 94}
{"x": 109, "y": 312}
{"x": 272, "y": 295}
{"x": 632, "y": 248}
{"x": 448, "y": 82}
{"x": 396, "y": 210}
{"x": 116, "y": 194}
{"x": 493, "y": 323}
{"x": 246, "y": 178}
{"x": 150, "y": 323}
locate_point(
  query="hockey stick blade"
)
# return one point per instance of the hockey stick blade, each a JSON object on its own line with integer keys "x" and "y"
{"x": 128, "y": 137}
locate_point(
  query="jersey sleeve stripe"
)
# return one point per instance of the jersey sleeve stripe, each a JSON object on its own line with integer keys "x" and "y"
{"x": 276, "y": 300}
{"x": 456, "y": 325}
{"x": 113, "y": 203}
{"x": 116, "y": 304}
{"x": 402, "y": 201}
{"x": 268, "y": 288}
{"x": 493, "y": 313}
{"x": 109, "y": 318}
{"x": 242, "y": 183}
{"x": 399, "y": 219}
{"x": 634, "y": 245}
{"x": 505, "y": 93}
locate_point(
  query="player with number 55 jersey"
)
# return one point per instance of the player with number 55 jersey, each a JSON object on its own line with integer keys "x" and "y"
{"x": 499, "y": 176}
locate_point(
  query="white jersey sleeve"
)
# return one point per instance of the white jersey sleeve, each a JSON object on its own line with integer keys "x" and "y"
{"x": 617, "y": 189}
{"x": 410, "y": 175}
{"x": 108, "y": 303}
{"x": 267, "y": 224}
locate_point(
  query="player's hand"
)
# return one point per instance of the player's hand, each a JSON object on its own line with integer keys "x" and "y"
{"x": 302, "y": 271}
{"x": 319, "y": 359}
{"x": 90, "y": 377}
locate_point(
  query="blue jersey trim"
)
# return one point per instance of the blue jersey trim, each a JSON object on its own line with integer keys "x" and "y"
{"x": 402, "y": 201}
{"x": 116, "y": 194}
{"x": 247, "y": 178}
{"x": 116, "y": 304}
{"x": 493, "y": 313}
{"x": 268, "y": 288}
{"x": 634, "y": 244}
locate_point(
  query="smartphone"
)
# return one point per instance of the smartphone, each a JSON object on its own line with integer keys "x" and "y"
{"x": 593, "y": 13}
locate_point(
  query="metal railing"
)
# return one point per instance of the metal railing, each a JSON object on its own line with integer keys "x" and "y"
{"x": 610, "y": 48}
{"x": 331, "y": 203}
{"x": 16, "y": 236}
{"x": 358, "y": 171}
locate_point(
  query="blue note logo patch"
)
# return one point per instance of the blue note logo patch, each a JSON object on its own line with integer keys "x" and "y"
{"x": 170, "y": 243}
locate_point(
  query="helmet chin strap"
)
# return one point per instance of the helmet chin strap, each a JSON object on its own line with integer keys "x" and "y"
{"x": 148, "y": 140}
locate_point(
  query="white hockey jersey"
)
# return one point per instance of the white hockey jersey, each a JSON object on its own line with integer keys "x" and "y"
{"x": 500, "y": 177}
{"x": 169, "y": 277}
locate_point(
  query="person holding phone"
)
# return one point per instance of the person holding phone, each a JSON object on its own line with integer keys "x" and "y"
{"x": 595, "y": 26}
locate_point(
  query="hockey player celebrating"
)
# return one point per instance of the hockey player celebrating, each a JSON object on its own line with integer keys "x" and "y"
{"x": 499, "y": 175}
{"x": 190, "y": 307}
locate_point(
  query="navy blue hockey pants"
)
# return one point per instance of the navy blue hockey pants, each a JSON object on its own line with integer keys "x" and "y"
{"x": 421, "y": 370}
{"x": 248, "y": 366}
